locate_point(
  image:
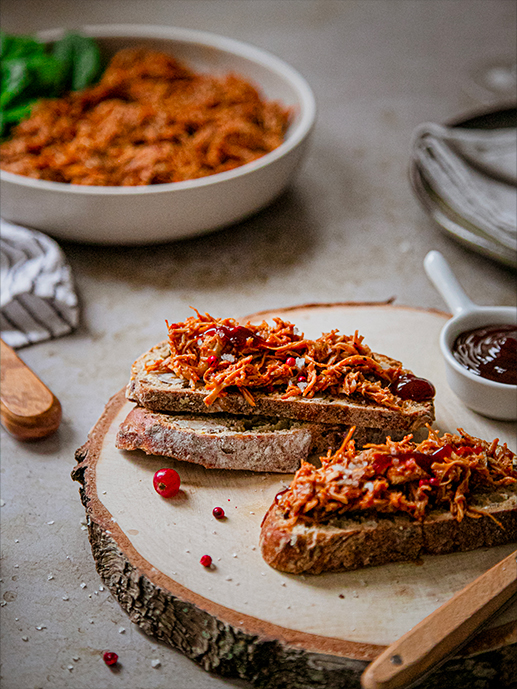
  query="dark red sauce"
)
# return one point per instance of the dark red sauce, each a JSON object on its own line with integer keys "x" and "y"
{"x": 278, "y": 495}
{"x": 410, "y": 387}
{"x": 489, "y": 352}
{"x": 443, "y": 452}
{"x": 383, "y": 462}
{"x": 236, "y": 335}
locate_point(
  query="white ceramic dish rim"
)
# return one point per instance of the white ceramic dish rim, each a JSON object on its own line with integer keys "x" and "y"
{"x": 475, "y": 318}
{"x": 298, "y": 133}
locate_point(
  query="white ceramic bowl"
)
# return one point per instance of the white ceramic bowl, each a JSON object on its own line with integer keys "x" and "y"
{"x": 484, "y": 396}
{"x": 487, "y": 397}
{"x": 165, "y": 212}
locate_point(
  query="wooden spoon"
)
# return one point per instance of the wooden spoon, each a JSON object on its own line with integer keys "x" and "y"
{"x": 28, "y": 409}
{"x": 442, "y": 632}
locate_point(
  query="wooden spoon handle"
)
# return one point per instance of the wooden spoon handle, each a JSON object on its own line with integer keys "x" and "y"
{"x": 28, "y": 409}
{"x": 444, "y": 630}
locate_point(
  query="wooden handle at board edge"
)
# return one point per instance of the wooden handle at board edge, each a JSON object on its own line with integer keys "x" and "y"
{"x": 28, "y": 409}
{"x": 437, "y": 636}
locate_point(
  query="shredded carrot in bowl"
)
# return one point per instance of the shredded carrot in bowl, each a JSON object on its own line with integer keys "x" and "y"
{"x": 150, "y": 120}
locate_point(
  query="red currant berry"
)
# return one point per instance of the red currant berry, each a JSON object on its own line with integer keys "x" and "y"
{"x": 302, "y": 379}
{"x": 212, "y": 360}
{"x": 424, "y": 482}
{"x": 290, "y": 361}
{"x": 166, "y": 482}
{"x": 110, "y": 658}
{"x": 206, "y": 561}
{"x": 218, "y": 512}
{"x": 435, "y": 481}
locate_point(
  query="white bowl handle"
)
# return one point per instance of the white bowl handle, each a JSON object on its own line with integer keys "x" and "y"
{"x": 442, "y": 277}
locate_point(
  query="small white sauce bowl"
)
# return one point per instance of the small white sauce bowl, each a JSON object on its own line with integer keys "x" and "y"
{"x": 167, "y": 212}
{"x": 487, "y": 397}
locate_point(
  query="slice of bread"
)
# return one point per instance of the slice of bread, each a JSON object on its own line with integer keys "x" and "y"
{"x": 347, "y": 543}
{"x": 216, "y": 441}
{"x": 166, "y": 392}
{"x": 221, "y": 441}
{"x": 392, "y": 502}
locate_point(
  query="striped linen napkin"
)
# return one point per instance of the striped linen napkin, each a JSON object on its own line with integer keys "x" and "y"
{"x": 37, "y": 297}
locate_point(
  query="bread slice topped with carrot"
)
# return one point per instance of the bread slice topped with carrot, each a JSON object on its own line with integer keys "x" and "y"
{"x": 392, "y": 502}
{"x": 216, "y": 372}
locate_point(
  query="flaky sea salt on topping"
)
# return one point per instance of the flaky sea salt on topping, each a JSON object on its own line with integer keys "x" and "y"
{"x": 166, "y": 377}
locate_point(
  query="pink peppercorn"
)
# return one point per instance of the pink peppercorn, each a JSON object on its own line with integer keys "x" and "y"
{"x": 429, "y": 482}
{"x": 290, "y": 361}
{"x": 206, "y": 561}
{"x": 218, "y": 512}
{"x": 110, "y": 658}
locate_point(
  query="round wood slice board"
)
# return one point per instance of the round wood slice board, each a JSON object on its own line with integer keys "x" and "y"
{"x": 242, "y": 617}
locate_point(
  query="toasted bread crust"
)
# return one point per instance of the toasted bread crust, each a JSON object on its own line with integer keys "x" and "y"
{"x": 226, "y": 442}
{"x": 166, "y": 392}
{"x": 351, "y": 543}
{"x": 211, "y": 442}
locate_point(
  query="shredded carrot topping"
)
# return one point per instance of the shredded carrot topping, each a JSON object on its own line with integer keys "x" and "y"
{"x": 400, "y": 477}
{"x": 150, "y": 120}
{"x": 221, "y": 355}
